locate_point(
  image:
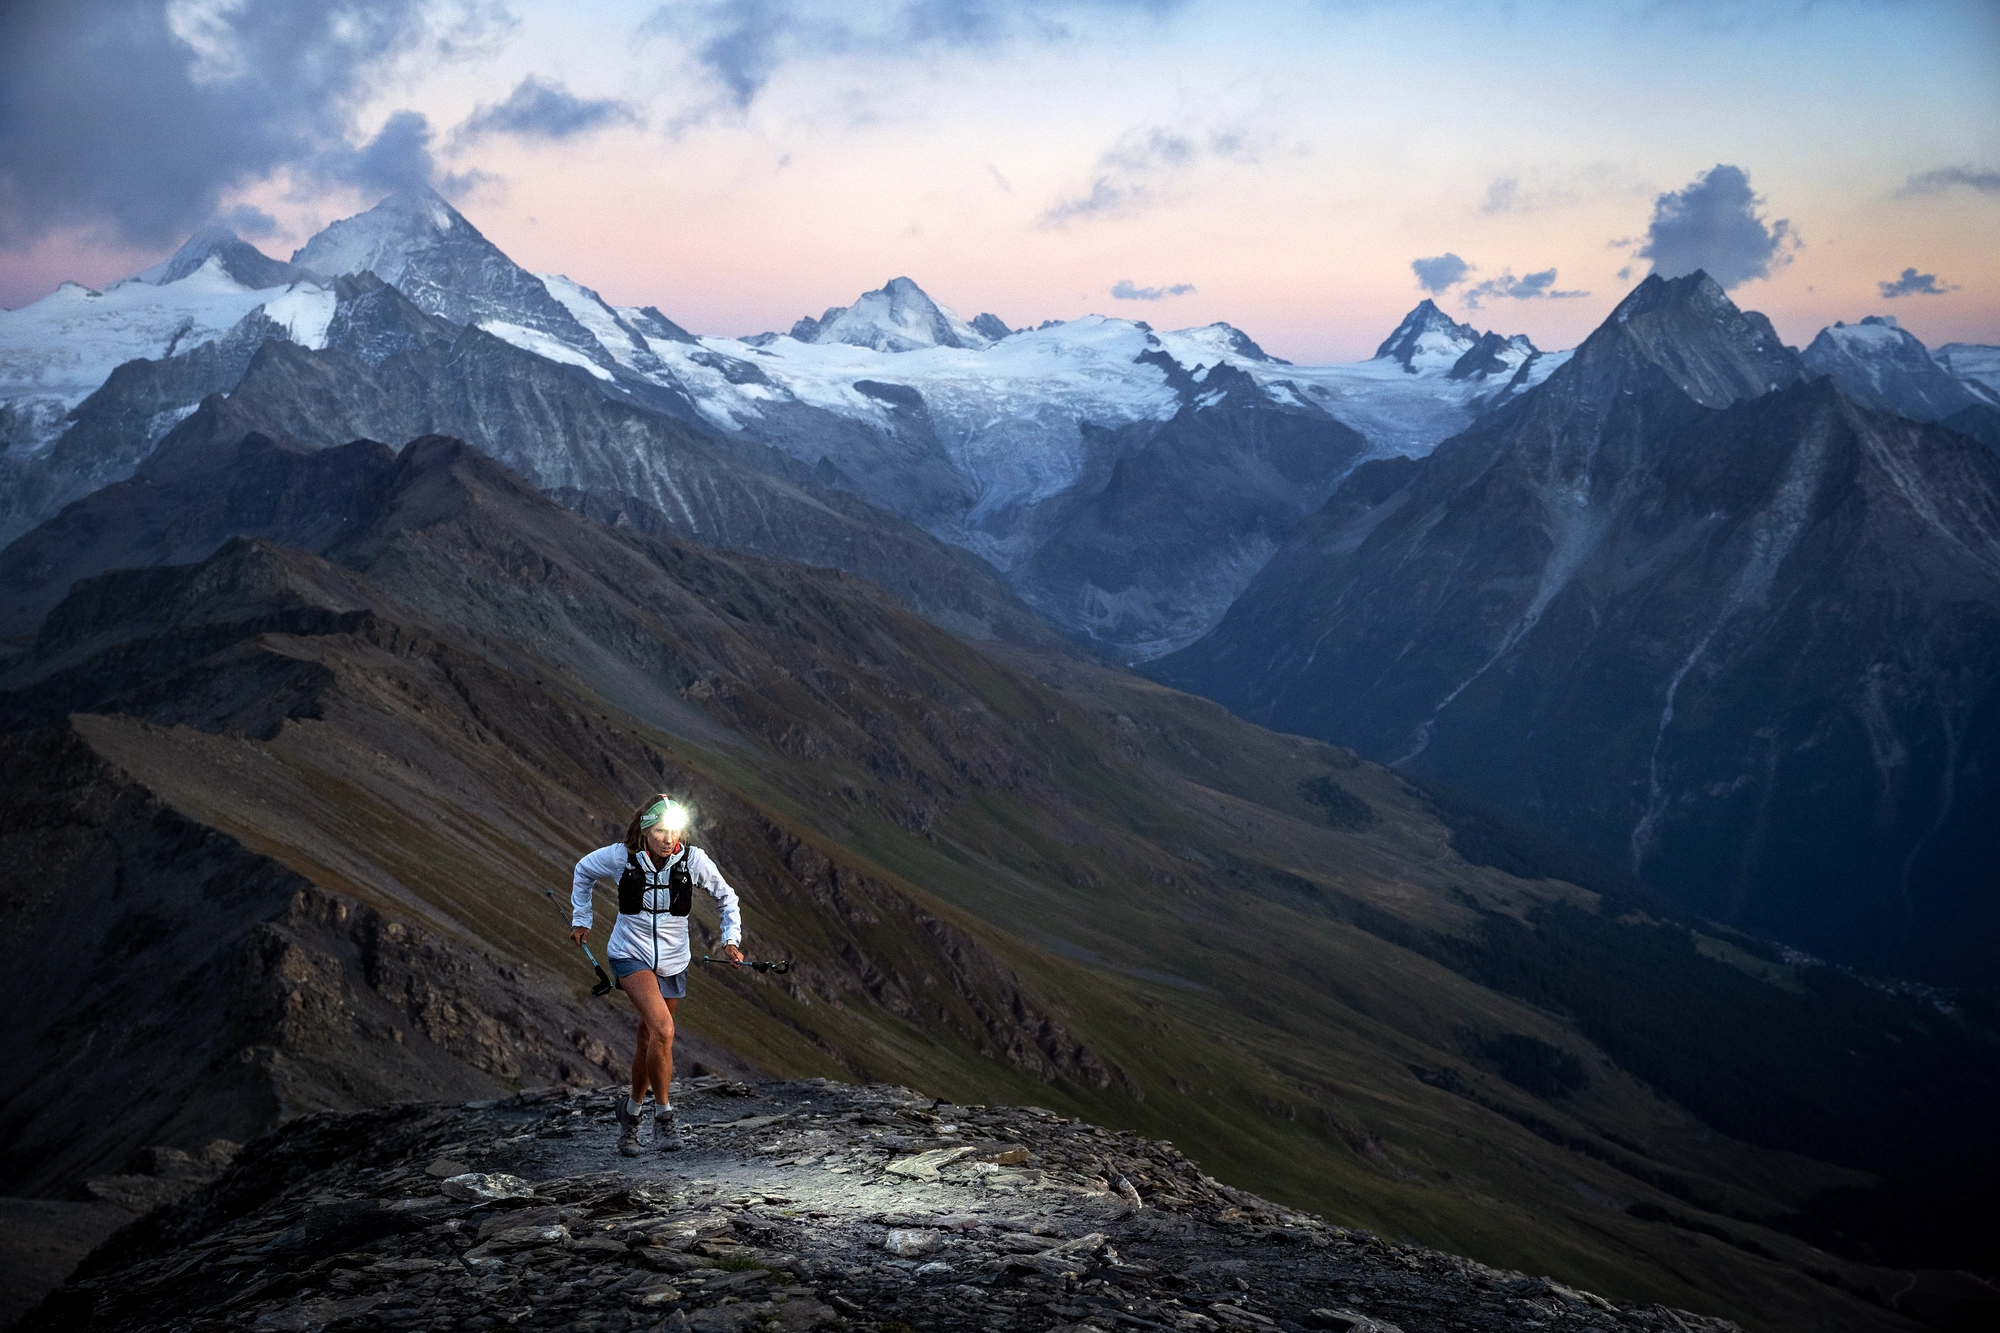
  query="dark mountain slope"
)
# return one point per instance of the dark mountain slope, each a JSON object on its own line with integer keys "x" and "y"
{"x": 1004, "y": 876}
{"x": 1744, "y": 643}
{"x": 1192, "y": 509}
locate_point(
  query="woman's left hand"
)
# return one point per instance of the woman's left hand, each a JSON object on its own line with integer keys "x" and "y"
{"x": 733, "y": 954}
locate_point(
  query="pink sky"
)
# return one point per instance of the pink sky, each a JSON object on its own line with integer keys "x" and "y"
{"x": 1288, "y": 161}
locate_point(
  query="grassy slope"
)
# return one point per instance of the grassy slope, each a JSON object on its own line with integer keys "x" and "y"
{"x": 1255, "y": 1027}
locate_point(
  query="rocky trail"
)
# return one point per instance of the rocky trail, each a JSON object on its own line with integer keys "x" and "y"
{"x": 792, "y": 1205}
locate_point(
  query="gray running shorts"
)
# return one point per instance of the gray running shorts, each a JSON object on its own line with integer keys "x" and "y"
{"x": 674, "y": 987}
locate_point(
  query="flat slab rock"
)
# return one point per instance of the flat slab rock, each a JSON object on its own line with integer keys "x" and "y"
{"x": 787, "y": 1209}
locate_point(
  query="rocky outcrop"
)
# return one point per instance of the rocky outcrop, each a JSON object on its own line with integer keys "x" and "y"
{"x": 794, "y": 1206}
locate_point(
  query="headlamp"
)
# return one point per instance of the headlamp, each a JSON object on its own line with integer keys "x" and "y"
{"x": 671, "y": 815}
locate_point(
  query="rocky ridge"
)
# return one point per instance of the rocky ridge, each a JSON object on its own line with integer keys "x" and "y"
{"x": 793, "y": 1206}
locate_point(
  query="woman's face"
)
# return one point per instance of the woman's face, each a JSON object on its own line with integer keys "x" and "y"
{"x": 661, "y": 841}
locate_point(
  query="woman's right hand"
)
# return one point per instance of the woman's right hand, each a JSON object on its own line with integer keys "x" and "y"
{"x": 577, "y": 934}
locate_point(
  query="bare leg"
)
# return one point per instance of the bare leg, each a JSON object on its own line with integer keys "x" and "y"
{"x": 653, "y": 1060}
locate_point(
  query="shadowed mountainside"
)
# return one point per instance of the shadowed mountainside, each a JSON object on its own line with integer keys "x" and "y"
{"x": 1688, "y": 609}
{"x": 322, "y": 795}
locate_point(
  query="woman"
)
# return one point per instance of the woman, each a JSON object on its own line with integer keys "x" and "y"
{"x": 656, "y": 873}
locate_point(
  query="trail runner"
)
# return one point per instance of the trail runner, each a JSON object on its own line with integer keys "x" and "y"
{"x": 655, "y": 872}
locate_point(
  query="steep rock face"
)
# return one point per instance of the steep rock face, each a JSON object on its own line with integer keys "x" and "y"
{"x": 1191, "y": 511}
{"x": 1742, "y": 642}
{"x": 416, "y": 242}
{"x": 108, "y": 434}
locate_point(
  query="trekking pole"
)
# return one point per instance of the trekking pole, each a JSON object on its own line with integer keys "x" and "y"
{"x": 782, "y": 966}
{"x": 603, "y": 986}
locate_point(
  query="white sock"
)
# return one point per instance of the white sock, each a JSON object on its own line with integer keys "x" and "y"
{"x": 632, "y": 1107}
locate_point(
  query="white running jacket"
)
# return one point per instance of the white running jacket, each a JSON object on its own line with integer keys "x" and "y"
{"x": 657, "y": 939}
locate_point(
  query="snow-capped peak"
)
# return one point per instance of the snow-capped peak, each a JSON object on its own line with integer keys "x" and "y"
{"x": 896, "y": 317}
{"x": 1884, "y": 366}
{"x": 1213, "y": 344}
{"x": 1427, "y": 340}
{"x": 382, "y": 239}
{"x": 232, "y": 255}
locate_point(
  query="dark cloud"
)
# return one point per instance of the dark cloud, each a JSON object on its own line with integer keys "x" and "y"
{"x": 1126, "y": 290}
{"x": 397, "y": 158}
{"x": 1913, "y": 283}
{"x": 741, "y": 44}
{"x": 538, "y": 110}
{"x": 1945, "y": 178}
{"x": 1528, "y": 287}
{"x": 130, "y": 119}
{"x": 1437, "y": 274}
{"x": 1713, "y": 225}
{"x": 249, "y": 222}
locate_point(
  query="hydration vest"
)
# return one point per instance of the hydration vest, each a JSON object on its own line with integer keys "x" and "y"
{"x": 633, "y": 884}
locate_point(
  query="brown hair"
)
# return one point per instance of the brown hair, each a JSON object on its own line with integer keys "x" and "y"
{"x": 632, "y": 842}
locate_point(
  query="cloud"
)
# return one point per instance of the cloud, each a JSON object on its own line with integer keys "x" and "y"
{"x": 398, "y": 157}
{"x": 249, "y": 221}
{"x": 131, "y": 119}
{"x": 1437, "y": 274}
{"x": 1944, "y": 178}
{"x": 1713, "y": 225}
{"x": 739, "y": 45}
{"x": 1913, "y": 283}
{"x": 550, "y": 111}
{"x": 1132, "y": 173}
{"x": 1125, "y": 290}
{"x": 1529, "y": 287}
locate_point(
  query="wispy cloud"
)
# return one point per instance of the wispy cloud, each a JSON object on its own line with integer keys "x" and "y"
{"x": 1141, "y": 167}
{"x": 1126, "y": 290}
{"x": 740, "y": 45}
{"x": 1528, "y": 287}
{"x": 1714, "y": 225}
{"x": 547, "y": 111}
{"x": 1913, "y": 283}
{"x": 1440, "y": 273}
{"x": 1939, "y": 180}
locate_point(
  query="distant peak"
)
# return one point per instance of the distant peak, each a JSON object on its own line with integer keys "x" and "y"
{"x": 1427, "y": 339}
{"x": 898, "y": 316}
{"x": 242, "y": 261}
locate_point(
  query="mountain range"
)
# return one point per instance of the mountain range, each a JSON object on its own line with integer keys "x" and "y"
{"x": 347, "y": 600}
{"x": 1688, "y": 605}
{"x": 301, "y": 802}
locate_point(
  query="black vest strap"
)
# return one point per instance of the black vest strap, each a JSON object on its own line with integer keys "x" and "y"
{"x": 634, "y": 883}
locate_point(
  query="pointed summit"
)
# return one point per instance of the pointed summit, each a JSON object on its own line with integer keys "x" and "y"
{"x": 422, "y": 246}
{"x": 382, "y": 240}
{"x": 896, "y": 317}
{"x": 235, "y": 256}
{"x": 1428, "y": 339}
{"x": 1717, "y": 353}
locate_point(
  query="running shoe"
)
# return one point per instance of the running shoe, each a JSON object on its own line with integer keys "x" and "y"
{"x": 668, "y": 1133}
{"x": 628, "y": 1128}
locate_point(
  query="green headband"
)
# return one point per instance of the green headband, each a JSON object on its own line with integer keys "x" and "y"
{"x": 662, "y": 810}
